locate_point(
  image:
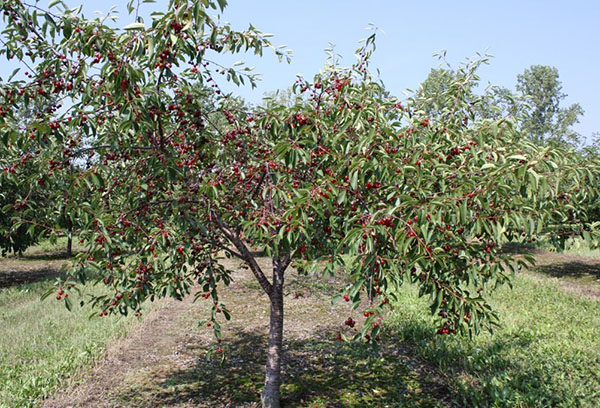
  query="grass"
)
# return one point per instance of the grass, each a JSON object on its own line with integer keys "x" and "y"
{"x": 318, "y": 370}
{"x": 545, "y": 353}
{"x": 573, "y": 246}
{"x": 43, "y": 345}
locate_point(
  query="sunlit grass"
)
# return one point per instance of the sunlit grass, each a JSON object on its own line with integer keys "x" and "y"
{"x": 545, "y": 353}
{"x": 43, "y": 345}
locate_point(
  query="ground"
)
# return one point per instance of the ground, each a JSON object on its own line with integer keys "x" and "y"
{"x": 163, "y": 362}
{"x": 15, "y": 272}
{"x": 576, "y": 274}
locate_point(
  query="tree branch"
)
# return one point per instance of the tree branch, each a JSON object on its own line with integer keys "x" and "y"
{"x": 246, "y": 255}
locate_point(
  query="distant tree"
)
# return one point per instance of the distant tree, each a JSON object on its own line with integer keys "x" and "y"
{"x": 433, "y": 95}
{"x": 283, "y": 97}
{"x": 15, "y": 238}
{"x": 594, "y": 146}
{"x": 497, "y": 103}
{"x": 14, "y": 193}
{"x": 544, "y": 119}
{"x": 434, "y": 98}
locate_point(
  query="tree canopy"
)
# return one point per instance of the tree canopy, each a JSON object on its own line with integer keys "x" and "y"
{"x": 345, "y": 178}
{"x": 545, "y": 120}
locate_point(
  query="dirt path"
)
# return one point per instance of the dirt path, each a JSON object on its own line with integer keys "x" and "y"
{"x": 14, "y": 271}
{"x": 573, "y": 273}
{"x": 163, "y": 363}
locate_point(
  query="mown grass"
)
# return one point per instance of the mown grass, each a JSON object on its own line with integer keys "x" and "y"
{"x": 545, "y": 354}
{"x": 42, "y": 344}
{"x": 573, "y": 246}
{"x": 46, "y": 249}
{"x": 318, "y": 370}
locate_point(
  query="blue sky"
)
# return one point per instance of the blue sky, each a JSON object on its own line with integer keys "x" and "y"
{"x": 563, "y": 34}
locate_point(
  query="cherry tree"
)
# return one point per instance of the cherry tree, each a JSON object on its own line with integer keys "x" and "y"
{"x": 347, "y": 179}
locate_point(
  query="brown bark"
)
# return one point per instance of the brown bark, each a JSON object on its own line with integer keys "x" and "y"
{"x": 69, "y": 245}
{"x": 271, "y": 396}
{"x": 246, "y": 255}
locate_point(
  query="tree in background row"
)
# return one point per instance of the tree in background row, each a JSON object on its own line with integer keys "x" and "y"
{"x": 537, "y": 103}
{"x": 544, "y": 119}
{"x": 345, "y": 179}
{"x": 46, "y": 216}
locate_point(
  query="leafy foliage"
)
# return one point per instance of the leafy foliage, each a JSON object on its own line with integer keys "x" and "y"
{"x": 345, "y": 177}
{"x": 544, "y": 119}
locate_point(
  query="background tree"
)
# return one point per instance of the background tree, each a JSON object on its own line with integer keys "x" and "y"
{"x": 15, "y": 193}
{"x": 594, "y": 145}
{"x": 345, "y": 179}
{"x": 432, "y": 91}
{"x": 13, "y": 238}
{"x": 544, "y": 119}
{"x": 494, "y": 102}
{"x": 536, "y": 103}
{"x": 27, "y": 193}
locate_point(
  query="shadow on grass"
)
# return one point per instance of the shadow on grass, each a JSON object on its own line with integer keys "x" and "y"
{"x": 45, "y": 256}
{"x": 317, "y": 371}
{"x": 570, "y": 269}
{"x": 506, "y": 371}
{"x": 20, "y": 277}
{"x": 516, "y": 248}
{"x": 31, "y": 268}
{"x": 322, "y": 372}
{"x": 424, "y": 371}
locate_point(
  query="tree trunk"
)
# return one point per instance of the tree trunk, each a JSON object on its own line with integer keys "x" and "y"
{"x": 270, "y": 396}
{"x": 69, "y": 245}
{"x": 69, "y": 234}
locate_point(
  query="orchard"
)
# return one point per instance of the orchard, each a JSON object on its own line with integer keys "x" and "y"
{"x": 169, "y": 174}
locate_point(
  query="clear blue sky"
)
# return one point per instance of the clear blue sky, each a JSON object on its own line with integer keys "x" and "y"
{"x": 519, "y": 33}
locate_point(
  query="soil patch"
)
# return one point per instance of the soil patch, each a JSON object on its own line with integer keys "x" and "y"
{"x": 573, "y": 273}
{"x": 164, "y": 363}
{"x": 17, "y": 271}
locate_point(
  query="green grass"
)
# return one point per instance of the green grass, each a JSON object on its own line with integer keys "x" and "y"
{"x": 43, "y": 345}
{"x": 546, "y": 354}
{"x": 48, "y": 249}
{"x": 581, "y": 248}
{"x": 573, "y": 246}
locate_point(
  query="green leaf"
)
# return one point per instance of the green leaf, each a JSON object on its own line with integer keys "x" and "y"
{"x": 135, "y": 26}
{"x": 67, "y": 28}
{"x": 13, "y": 74}
{"x": 68, "y": 304}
